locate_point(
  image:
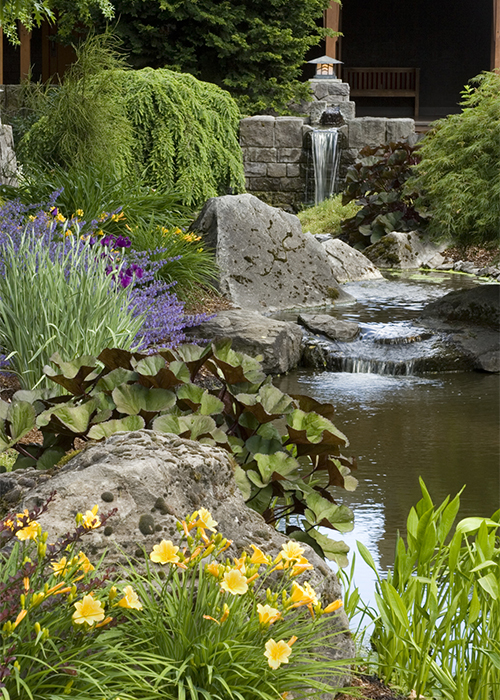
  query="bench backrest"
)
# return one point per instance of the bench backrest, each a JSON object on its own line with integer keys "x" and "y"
{"x": 393, "y": 79}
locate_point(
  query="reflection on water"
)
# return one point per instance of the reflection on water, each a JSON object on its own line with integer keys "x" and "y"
{"x": 443, "y": 427}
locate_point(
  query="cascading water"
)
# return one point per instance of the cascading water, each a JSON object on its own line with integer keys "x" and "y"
{"x": 325, "y": 152}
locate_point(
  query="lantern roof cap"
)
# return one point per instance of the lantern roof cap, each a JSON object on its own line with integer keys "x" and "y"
{"x": 325, "y": 59}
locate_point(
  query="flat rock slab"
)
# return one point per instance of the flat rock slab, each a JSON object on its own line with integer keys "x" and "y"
{"x": 404, "y": 251}
{"x": 478, "y": 306}
{"x": 331, "y": 327}
{"x": 279, "y": 342}
{"x": 348, "y": 264}
{"x": 154, "y": 481}
{"x": 472, "y": 317}
{"x": 266, "y": 262}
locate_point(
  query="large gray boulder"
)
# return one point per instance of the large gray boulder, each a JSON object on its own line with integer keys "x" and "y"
{"x": 472, "y": 317}
{"x": 154, "y": 481}
{"x": 348, "y": 264}
{"x": 404, "y": 251}
{"x": 279, "y": 342}
{"x": 266, "y": 263}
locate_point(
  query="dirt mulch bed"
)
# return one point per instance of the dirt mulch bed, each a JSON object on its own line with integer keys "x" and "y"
{"x": 369, "y": 687}
{"x": 480, "y": 257}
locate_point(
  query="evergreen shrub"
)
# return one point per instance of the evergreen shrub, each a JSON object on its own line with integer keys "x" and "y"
{"x": 168, "y": 128}
{"x": 459, "y": 175}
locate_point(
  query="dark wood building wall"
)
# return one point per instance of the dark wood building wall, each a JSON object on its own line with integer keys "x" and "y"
{"x": 449, "y": 40}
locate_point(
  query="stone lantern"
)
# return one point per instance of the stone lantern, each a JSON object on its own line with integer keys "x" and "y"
{"x": 325, "y": 68}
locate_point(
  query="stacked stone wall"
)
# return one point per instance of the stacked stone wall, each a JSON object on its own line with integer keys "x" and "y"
{"x": 275, "y": 159}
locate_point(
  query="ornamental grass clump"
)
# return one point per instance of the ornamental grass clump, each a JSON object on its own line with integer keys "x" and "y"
{"x": 213, "y": 627}
{"x": 64, "y": 304}
{"x": 61, "y": 291}
{"x": 54, "y": 607}
{"x": 436, "y": 625}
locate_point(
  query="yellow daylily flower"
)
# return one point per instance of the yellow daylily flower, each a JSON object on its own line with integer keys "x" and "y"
{"x": 333, "y": 606}
{"x": 300, "y": 566}
{"x": 303, "y": 595}
{"x": 291, "y": 551}
{"x": 165, "y": 553}
{"x": 88, "y": 611}
{"x": 20, "y": 618}
{"x": 277, "y": 653}
{"x": 60, "y": 567}
{"x": 212, "y": 568}
{"x": 234, "y": 582}
{"x": 91, "y": 520}
{"x": 30, "y": 532}
{"x": 258, "y": 556}
{"x": 205, "y": 520}
{"x": 267, "y": 614}
{"x": 84, "y": 563}
{"x": 130, "y": 599}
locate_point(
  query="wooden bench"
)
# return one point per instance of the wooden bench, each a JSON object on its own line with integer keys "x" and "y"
{"x": 384, "y": 82}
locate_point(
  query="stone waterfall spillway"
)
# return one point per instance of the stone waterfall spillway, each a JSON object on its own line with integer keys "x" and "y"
{"x": 325, "y": 153}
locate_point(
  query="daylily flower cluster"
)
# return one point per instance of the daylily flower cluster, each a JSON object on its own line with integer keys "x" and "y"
{"x": 244, "y": 576}
{"x": 47, "y": 577}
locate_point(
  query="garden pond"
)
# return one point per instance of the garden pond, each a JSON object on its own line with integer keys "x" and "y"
{"x": 441, "y": 426}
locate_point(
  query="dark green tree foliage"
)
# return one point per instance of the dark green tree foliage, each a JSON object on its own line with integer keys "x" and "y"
{"x": 253, "y": 48}
{"x": 459, "y": 175}
{"x": 171, "y": 129}
{"x": 377, "y": 182}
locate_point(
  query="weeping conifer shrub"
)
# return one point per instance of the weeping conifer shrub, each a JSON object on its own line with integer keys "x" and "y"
{"x": 185, "y": 133}
{"x": 459, "y": 174}
{"x": 168, "y": 129}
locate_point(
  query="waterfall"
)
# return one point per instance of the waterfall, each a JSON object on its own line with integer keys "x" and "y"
{"x": 325, "y": 161}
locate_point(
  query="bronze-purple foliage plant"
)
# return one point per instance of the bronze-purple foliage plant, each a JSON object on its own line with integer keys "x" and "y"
{"x": 377, "y": 183}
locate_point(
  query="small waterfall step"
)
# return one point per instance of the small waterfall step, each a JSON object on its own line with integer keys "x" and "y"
{"x": 326, "y": 157}
{"x": 377, "y": 353}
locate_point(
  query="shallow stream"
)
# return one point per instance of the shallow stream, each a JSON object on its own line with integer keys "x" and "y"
{"x": 441, "y": 426}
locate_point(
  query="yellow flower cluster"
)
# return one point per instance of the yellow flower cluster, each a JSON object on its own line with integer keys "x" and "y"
{"x": 71, "y": 569}
{"x": 190, "y": 237}
{"x": 239, "y": 576}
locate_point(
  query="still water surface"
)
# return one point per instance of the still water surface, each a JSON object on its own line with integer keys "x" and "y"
{"x": 443, "y": 427}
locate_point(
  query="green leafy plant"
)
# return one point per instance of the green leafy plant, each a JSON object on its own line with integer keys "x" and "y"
{"x": 286, "y": 449}
{"x": 58, "y": 302}
{"x": 437, "y": 620}
{"x": 377, "y": 184}
{"x": 205, "y": 629}
{"x": 327, "y": 216}
{"x": 213, "y": 627}
{"x": 171, "y": 130}
{"x": 458, "y": 177}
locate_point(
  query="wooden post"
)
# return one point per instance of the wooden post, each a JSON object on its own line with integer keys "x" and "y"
{"x": 332, "y": 21}
{"x": 495, "y": 45}
{"x": 25, "y": 59}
